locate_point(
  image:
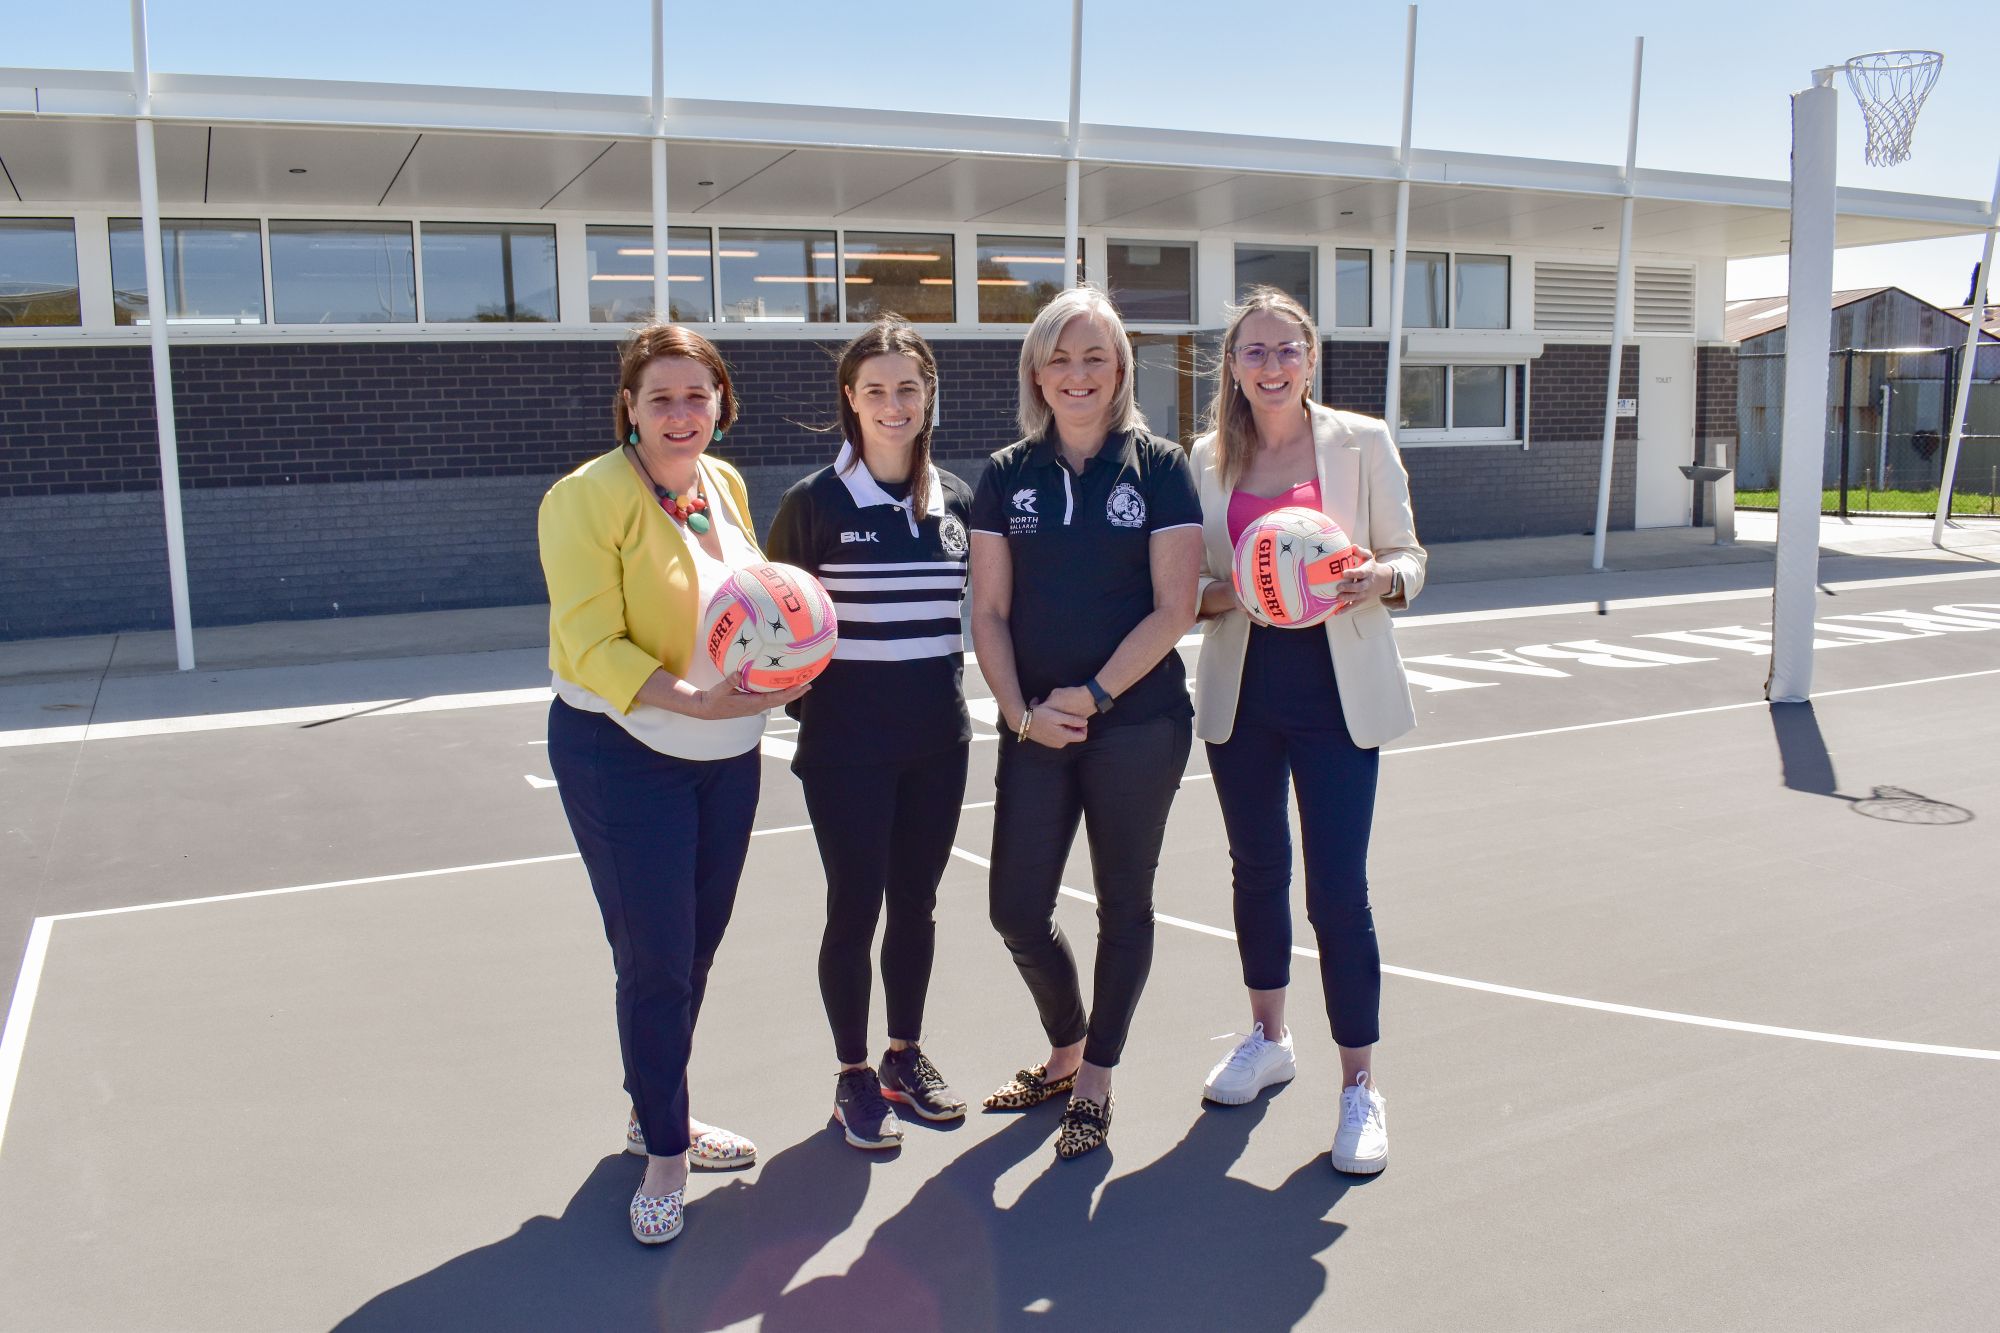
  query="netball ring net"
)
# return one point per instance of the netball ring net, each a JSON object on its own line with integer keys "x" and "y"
{"x": 1891, "y": 87}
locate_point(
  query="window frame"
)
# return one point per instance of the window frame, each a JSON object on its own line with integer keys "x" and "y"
{"x": 56, "y": 221}
{"x": 1193, "y": 248}
{"x": 115, "y": 223}
{"x": 1309, "y": 250}
{"x": 1508, "y": 432}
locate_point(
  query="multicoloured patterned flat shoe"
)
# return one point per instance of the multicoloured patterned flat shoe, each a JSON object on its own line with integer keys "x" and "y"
{"x": 1085, "y": 1125}
{"x": 655, "y": 1221}
{"x": 709, "y": 1148}
{"x": 1029, "y": 1087}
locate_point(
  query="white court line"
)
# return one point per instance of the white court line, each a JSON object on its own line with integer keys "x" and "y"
{"x": 13, "y": 1038}
{"x": 306, "y": 713}
{"x": 1672, "y": 599}
{"x": 1572, "y": 1001}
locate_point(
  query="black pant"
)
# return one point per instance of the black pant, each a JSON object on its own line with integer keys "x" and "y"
{"x": 884, "y": 833}
{"x": 664, "y": 841}
{"x": 1120, "y": 781}
{"x": 1290, "y": 729}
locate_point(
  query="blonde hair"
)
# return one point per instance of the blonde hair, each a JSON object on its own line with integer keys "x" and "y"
{"x": 1229, "y": 414}
{"x": 1034, "y": 415}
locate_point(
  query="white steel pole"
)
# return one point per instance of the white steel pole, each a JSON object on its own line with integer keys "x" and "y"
{"x": 1975, "y": 320}
{"x": 156, "y": 327}
{"x": 662, "y": 304}
{"x": 1802, "y": 447}
{"x": 1072, "y": 166}
{"x": 1882, "y": 437}
{"x": 1399, "y": 259}
{"x": 1621, "y": 313}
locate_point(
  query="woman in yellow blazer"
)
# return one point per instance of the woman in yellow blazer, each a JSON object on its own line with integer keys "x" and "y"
{"x": 654, "y": 753}
{"x": 1308, "y": 708}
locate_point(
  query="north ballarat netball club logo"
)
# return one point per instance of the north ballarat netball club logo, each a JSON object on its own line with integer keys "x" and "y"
{"x": 1126, "y": 508}
{"x": 951, "y": 535}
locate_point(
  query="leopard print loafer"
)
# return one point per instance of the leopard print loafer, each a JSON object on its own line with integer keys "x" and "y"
{"x": 1029, "y": 1087}
{"x": 1085, "y": 1125}
{"x": 709, "y": 1148}
{"x": 657, "y": 1219}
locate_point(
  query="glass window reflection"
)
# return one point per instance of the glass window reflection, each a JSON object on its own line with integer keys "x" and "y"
{"x": 1424, "y": 291}
{"x": 38, "y": 273}
{"x": 772, "y": 276}
{"x": 1289, "y": 268}
{"x": 620, "y": 261}
{"x": 1482, "y": 291}
{"x": 1152, "y": 281}
{"x": 1353, "y": 289}
{"x": 343, "y": 273}
{"x": 899, "y": 273}
{"x": 1423, "y": 398}
{"x": 213, "y": 271}
{"x": 489, "y": 273}
{"x": 1018, "y": 275}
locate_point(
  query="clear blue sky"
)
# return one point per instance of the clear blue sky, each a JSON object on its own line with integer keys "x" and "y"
{"x": 1536, "y": 78}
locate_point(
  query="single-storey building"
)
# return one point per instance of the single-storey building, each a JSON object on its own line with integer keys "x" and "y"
{"x": 394, "y": 311}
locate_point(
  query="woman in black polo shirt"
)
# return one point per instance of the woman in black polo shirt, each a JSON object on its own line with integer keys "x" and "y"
{"x": 883, "y": 735}
{"x": 1086, "y": 548}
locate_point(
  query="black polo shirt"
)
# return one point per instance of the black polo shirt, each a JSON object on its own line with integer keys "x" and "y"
{"x": 1083, "y": 576}
{"x": 893, "y": 690}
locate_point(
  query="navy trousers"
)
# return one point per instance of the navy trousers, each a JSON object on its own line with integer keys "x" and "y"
{"x": 1119, "y": 784}
{"x": 664, "y": 841}
{"x": 1290, "y": 731}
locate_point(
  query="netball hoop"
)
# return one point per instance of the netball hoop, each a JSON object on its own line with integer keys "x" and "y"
{"x": 1891, "y": 87}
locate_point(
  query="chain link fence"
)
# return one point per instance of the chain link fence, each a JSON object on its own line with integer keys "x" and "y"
{"x": 1888, "y": 422}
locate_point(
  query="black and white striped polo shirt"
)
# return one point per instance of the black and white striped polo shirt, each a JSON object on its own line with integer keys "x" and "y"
{"x": 894, "y": 689}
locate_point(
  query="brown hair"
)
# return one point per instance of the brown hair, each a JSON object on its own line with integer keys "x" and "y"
{"x": 892, "y": 335}
{"x": 658, "y": 342}
{"x": 1229, "y": 414}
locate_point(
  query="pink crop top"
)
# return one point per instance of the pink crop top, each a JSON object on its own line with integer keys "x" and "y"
{"x": 1245, "y": 508}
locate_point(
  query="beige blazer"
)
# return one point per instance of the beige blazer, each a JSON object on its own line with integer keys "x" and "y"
{"x": 1364, "y": 489}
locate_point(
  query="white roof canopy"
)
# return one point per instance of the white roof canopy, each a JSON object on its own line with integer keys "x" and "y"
{"x": 234, "y": 143}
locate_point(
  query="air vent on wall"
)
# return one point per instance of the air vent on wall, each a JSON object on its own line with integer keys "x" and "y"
{"x": 1582, "y": 297}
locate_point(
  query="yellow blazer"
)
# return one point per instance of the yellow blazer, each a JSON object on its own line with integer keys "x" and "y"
{"x": 1364, "y": 489}
{"x": 622, "y": 582}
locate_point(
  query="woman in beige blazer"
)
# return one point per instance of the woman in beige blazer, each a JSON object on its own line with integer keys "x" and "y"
{"x": 1308, "y": 708}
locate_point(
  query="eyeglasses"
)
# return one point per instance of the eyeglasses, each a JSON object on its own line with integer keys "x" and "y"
{"x": 1289, "y": 355}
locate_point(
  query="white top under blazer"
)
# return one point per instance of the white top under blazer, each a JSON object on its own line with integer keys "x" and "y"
{"x": 1364, "y": 488}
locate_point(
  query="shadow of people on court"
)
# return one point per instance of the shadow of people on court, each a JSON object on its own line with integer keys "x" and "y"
{"x": 1177, "y": 1244}
{"x": 745, "y": 1240}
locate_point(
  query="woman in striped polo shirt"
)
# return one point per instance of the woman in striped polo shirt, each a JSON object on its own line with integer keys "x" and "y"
{"x": 883, "y": 736}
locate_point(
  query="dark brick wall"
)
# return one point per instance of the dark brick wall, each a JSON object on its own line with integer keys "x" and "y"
{"x": 1494, "y": 490}
{"x": 1714, "y": 410}
{"x": 341, "y": 478}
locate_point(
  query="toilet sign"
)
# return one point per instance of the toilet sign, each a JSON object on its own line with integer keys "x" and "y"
{"x": 1628, "y": 407}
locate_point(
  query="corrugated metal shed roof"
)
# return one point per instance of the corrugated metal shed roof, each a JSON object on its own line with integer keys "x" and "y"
{"x": 1748, "y": 319}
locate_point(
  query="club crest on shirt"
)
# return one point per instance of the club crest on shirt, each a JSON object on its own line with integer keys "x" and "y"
{"x": 1024, "y": 500}
{"x": 1126, "y": 508}
{"x": 951, "y": 535}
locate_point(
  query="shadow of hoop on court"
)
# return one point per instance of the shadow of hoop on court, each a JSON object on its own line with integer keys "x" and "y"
{"x": 1807, "y": 766}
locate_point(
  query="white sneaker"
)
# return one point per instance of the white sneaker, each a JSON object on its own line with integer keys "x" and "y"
{"x": 1255, "y": 1064}
{"x": 1361, "y": 1144}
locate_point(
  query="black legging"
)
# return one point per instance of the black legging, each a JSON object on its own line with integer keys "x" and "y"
{"x": 884, "y": 832}
{"x": 1120, "y": 782}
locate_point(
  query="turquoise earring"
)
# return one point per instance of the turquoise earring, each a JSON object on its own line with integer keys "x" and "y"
{"x": 718, "y": 436}
{"x": 633, "y": 437}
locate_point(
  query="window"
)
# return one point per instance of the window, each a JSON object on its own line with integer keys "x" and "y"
{"x": 620, "y": 261}
{"x": 1480, "y": 301}
{"x": 489, "y": 273}
{"x": 38, "y": 272}
{"x": 1424, "y": 291}
{"x": 343, "y": 273}
{"x": 1018, "y": 275}
{"x": 1458, "y": 403}
{"x": 1152, "y": 282}
{"x": 1353, "y": 288}
{"x": 778, "y": 275}
{"x": 898, "y": 273}
{"x": 214, "y": 271}
{"x": 1289, "y": 268}
{"x": 1478, "y": 287}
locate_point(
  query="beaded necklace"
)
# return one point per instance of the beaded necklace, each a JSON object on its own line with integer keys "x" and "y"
{"x": 685, "y": 509}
